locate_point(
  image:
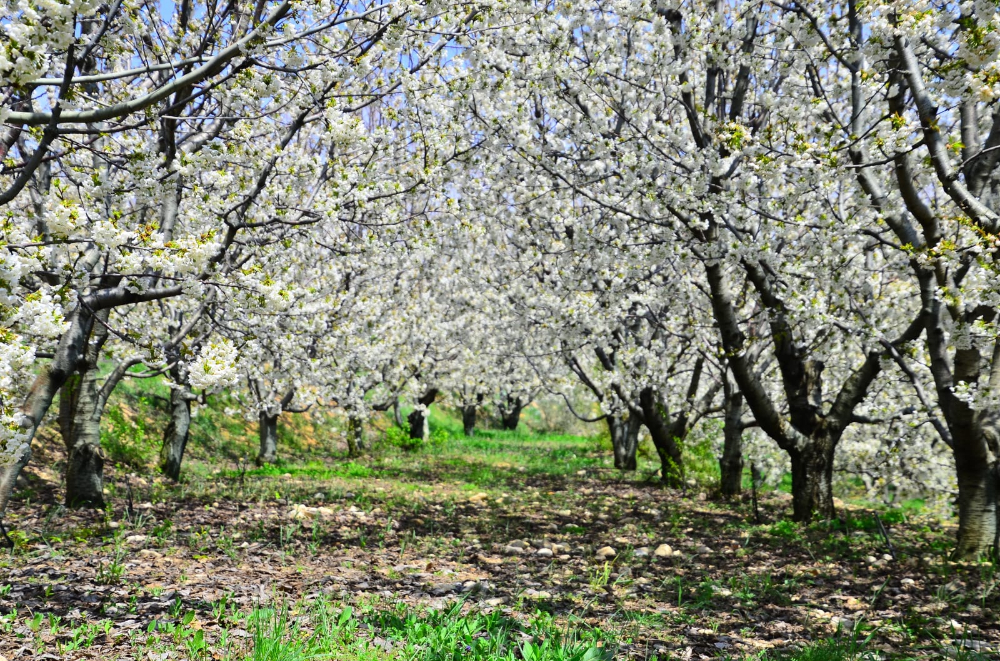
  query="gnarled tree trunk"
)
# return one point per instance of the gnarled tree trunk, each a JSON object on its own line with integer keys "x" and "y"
{"x": 665, "y": 434}
{"x": 418, "y": 416}
{"x": 268, "y": 453}
{"x": 731, "y": 461}
{"x": 510, "y": 415}
{"x": 624, "y": 440}
{"x": 812, "y": 479}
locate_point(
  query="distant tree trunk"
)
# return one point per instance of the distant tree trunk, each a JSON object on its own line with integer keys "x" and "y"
{"x": 665, "y": 434}
{"x": 419, "y": 415}
{"x": 512, "y": 416}
{"x": 80, "y": 424}
{"x": 469, "y": 416}
{"x": 175, "y": 437}
{"x": 731, "y": 462}
{"x": 268, "y": 438}
{"x": 624, "y": 440}
{"x": 397, "y": 414}
{"x": 355, "y": 436}
{"x": 469, "y": 419}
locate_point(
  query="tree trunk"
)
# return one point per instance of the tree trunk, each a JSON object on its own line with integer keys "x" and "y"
{"x": 510, "y": 417}
{"x": 624, "y": 440}
{"x": 812, "y": 480}
{"x": 70, "y": 350}
{"x": 268, "y": 439}
{"x": 978, "y": 474}
{"x": 665, "y": 434}
{"x": 418, "y": 416}
{"x": 418, "y": 424}
{"x": 397, "y": 415}
{"x": 80, "y": 424}
{"x": 8, "y": 477}
{"x": 731, "y": 462}
{"x": 469, "y": 419}
{"x": 175, "y": 437}
{"x": 355, "y": 436}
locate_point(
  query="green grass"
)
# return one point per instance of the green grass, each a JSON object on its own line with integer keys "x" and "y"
{"x": 313, "y": 469}
{"x": 376, "y": 631}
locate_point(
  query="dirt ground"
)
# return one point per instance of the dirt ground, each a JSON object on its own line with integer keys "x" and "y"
{"x": 587, "y": 547}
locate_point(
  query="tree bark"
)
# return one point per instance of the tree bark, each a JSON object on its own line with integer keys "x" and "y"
{"x": 731, "y": 461}
{"x": 268, "y": 453}
{"x": 355, "y": 436}
{"x": 971, "y": 434}
{"x": 418, "y": 416}
{"x": 665, "y": 434}
{"x": 175, "y": 437}
{"x": 80, "y": 424}
{"x": 978, "y": 473}
{"x": 80, "y": 407}
{"x": 624, "y": 440}
{"x": 812, "y": 480}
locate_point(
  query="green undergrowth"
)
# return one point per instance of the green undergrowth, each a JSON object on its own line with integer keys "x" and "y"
{"x": 138, "y": 412}
{"x": 322, "y": 629}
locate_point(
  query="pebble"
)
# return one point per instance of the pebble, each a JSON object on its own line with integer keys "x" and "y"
{"x": 135, "y": 539}
{"x": 544, "y": 553}
{"x": 642, "y": 552}
{"x": 605, "y": 552}
{"x": 701, "y": 548}
{"x": 444, "y": 588}
{"x": 663, "y": 551}
{"x": 908, "y": 581}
